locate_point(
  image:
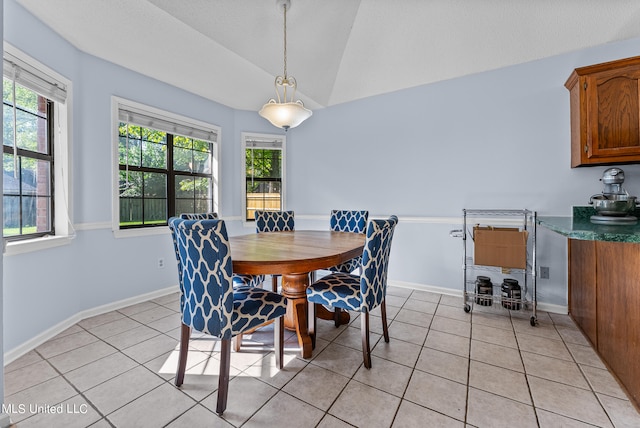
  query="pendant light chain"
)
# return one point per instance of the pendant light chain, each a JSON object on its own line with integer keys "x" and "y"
{"x": 285, "y": 41}
{"x": 284, "y": 111}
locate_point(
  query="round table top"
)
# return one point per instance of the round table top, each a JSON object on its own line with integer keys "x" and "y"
{"x": 298, "y": 251}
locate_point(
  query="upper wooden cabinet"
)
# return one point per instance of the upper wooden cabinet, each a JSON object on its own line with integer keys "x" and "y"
{"x": 605, "y": 113}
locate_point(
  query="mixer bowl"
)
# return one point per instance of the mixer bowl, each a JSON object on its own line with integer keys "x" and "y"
{"x": 613, "y": 205}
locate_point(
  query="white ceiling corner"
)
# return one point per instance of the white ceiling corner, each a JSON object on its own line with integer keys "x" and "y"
{"x": 339, "y": 50}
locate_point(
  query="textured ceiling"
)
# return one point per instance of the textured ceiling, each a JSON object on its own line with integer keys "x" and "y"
{"x": 338, "y": 50}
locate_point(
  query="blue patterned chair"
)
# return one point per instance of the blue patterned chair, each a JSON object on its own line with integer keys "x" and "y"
{"x": 211, "y": 304}
{"x": 199, "y": 216}
{"x": 346, "y": 221}
{"x": 361, "y": 293}
{"x": 238, "y": 280}
{"x": 274, "y": 221}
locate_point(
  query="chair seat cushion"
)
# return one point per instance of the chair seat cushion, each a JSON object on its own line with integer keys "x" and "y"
{"x": 253, "y": 306}
{"x": 247, "y": 280}
{"x": 339, "y": 290}
{"x": 348, "y": 266}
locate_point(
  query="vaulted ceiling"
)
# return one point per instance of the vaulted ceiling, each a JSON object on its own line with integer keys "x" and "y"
{"x": 339, "y": 50}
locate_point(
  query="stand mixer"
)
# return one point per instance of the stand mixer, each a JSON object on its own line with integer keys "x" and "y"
{"x": 612, "y": 179}
{"x": 613, "y": 205}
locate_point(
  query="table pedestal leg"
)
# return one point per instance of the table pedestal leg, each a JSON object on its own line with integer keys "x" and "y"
{"x": 294, "y": 288}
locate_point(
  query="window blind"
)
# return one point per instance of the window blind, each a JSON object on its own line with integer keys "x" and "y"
{"x": 155, "y": 121}
{"x": 263, "y": 144}
{"x": 34, "y": 79}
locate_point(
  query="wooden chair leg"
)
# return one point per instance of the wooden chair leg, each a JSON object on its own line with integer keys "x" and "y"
{"x": 274, "y": 283}
{"x": 223, "y": 376}
{"x": 185, "y": 334}
{"x": 385, "y": 327}
{"x": 237, "y": 341}
{"x": 278, "y": 342}
{"x": 311, "y": 321}
{"x": 336, "y": 316}
{"x": 364, "y": 328}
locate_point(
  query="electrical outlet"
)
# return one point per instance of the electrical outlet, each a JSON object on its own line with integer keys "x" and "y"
{"x": 544, "y": 272}
{"x": 160, "y": 263}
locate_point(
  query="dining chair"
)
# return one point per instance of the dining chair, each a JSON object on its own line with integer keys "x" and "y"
{"x": 274, "y": 221}
{"x": 211, "y": 304}
{"x": 199, "y": 216}
{"x": 361, "y": 293}
{"x": 238, "y": 279}
{"x": 348, "y": 221}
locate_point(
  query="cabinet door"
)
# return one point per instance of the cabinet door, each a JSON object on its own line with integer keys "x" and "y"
{"x": 618, "y": 271}
{"x": 613, "y": 115}
{"x": 582, "y": 286}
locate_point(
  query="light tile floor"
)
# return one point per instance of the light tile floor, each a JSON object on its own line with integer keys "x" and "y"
{"x": 443, "y": 367}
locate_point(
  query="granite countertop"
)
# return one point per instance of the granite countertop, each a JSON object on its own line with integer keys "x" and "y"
{"x": 580, "y": 227}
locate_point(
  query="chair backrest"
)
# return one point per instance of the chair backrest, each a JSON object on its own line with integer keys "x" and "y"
{"x": 375, "y": 262}
{"x": 206, "y": 275}
{"x": 274, "y": 221}
{"x": 199, "y": 216}
{"x": 349, "y": 221}
{"x": 189, "y": 216}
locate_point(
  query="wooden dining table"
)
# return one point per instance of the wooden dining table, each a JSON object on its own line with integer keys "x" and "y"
{"x": 294, "y": 255}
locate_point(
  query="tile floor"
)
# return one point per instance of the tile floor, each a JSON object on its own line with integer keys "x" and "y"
{"x": 443, "y": 367}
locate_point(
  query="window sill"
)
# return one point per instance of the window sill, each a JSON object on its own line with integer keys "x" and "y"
{"x": 143, "y": 231}
{"x": 12, "y": 248}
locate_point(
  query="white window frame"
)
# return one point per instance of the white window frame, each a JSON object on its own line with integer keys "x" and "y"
{"x": 278, "y": 139}
{"x": 117, "y": 104}
{"x": 63, "y": 196}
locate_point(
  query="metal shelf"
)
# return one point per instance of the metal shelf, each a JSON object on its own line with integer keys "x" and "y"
{"x": 524, "y": 219}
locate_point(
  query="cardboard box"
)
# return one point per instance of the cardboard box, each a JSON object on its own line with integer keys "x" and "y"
{"x": 500, "y": 246}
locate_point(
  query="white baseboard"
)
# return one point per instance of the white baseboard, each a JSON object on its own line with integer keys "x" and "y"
{"x": 34, "y": 342}
{"x": 554, "y": 309}
{"x": 546, "y": 307}
{"x": 426, "y": 287}
{"x": 38, "y": 340}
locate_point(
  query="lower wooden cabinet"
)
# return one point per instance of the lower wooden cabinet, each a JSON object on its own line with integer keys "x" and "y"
{"x": 582, "y": 277}
{"x": 604, "y": 300}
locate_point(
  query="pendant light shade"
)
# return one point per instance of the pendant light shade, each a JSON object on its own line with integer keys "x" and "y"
{"x": 284, "y": 112}
{"x": 285, "y": 115}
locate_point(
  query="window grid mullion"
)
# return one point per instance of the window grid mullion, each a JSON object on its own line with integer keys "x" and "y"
{"x": 171, "y": 178}
{"x": 22, "y": 154}
{"x": 171, "y": 175}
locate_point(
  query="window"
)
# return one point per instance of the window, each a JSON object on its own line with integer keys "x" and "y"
{"x": 34, "y": 135}
{"x": 263, "y": 172}
{"x": 166, "y": 166}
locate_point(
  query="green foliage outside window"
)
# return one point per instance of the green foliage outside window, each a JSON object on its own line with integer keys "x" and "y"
{"x": 145, "y": 185}
{"x": 263, "y": 180}
{"x": 28, "y": 121}
{"x": 261, "y": 164}
{"x": 27, "y": 190}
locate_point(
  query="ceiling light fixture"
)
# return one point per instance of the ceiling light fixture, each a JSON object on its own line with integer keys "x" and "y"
{"x": 285, "y": 113}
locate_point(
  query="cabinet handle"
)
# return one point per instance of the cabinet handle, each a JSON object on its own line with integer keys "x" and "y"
{"x": 586, "y": 148}
{"x": 585, "y": 86}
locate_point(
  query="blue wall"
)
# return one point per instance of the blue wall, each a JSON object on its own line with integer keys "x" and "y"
{"x": 497, "y": 139}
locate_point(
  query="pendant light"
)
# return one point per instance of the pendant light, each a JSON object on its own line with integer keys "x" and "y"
{"x": 285, "y": 113}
